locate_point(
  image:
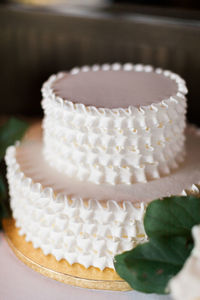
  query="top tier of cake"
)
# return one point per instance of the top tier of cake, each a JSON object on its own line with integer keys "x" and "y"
{"x": 117, "y": 124}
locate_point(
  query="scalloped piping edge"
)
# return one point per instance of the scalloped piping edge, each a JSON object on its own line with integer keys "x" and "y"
{"x": 47, "y": 90}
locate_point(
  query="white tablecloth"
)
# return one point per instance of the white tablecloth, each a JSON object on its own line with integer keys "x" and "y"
{"x": 18, "y": 282}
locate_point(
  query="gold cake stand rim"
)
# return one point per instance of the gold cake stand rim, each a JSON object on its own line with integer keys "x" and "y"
{"x": 12, "y": 237}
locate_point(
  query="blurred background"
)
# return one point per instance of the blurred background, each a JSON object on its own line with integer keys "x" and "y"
{"x": 41, "y": 37}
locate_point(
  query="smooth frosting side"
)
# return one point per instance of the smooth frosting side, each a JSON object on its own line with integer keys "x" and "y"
{"x": 114, "y": 89}
{"x": 68, "y": 228}
{"x": 185, "y": 285}
{"x": 115, "y": 146}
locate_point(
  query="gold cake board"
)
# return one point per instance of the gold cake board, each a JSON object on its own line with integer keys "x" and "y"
{"x": 76, "y": 274}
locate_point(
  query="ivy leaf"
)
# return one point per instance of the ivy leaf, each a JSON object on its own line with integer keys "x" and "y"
{"x": 172, "y": 216}
{"x": 150, "y": 266}
{"x": 3, "y": 191}
{"x": 168, "y": 223}
{"x": 11, "y": 131}
{"x": 3, "y": 195}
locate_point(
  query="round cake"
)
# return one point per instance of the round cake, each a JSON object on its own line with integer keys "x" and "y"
{"x": 128, "y": 127}
{"x": 113, "y": 140}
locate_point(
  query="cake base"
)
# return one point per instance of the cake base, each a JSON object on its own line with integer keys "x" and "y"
{"x": 62, "y": 271}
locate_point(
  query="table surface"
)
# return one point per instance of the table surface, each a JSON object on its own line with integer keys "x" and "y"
{"x": 18, "y": 282}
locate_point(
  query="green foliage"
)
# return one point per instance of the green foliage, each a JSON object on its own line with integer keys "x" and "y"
{"x": 168, "y": 223}
{"x": 10, "y": 132}
{"x": 3, "y": 192}
{"x": 172, "y": 216}
{"x": 3, "y": 196}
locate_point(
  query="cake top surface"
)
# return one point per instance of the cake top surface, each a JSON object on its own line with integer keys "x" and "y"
{"x": 115, "y": 89}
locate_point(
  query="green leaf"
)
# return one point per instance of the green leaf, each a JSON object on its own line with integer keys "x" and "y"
{"x": 2, "y": 213}
{"x": 150, "y": 266}
{"x": 3, "y": 191}
{"x": 168, "y": 224}
{"x": 172, "y": 216}
{"x": 3, "y": 195}
{"x": 10, "y": 132}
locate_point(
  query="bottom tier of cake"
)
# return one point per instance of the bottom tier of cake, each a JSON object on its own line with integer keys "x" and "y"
{"x": 47, "y": 265}
{"x": 71, "y": 230}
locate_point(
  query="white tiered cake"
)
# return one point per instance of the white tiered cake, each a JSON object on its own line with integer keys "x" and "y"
{"x": 113, "y": 140}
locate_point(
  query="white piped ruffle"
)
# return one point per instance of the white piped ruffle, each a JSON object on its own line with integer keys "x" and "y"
{"x": 115, "y": 146}
{"x": 78, "y": 230}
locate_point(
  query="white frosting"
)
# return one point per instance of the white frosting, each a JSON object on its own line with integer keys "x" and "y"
{"x": 115, "y": 146}
{"x": 69, "y": 228}
{"x": 185, "y": 285}
{"x": 32, "y": 163}
{"x": 71, "y": 220}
